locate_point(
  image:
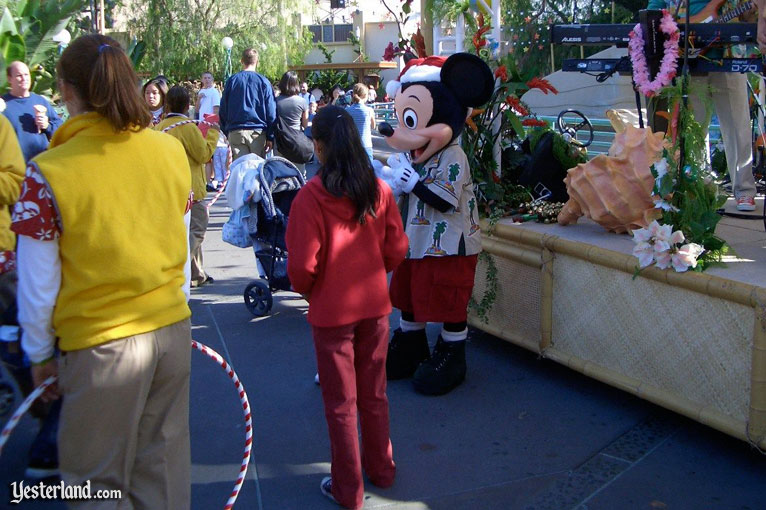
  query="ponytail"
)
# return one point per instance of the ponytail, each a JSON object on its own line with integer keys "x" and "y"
{"x": 104, "y": 79}
{"x": 347, "y": 170}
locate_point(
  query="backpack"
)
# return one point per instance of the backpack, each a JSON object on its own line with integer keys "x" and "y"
{"x": 293, "y": 144}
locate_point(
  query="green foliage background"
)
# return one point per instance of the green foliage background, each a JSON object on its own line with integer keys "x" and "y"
{"x": 183, "y": 37}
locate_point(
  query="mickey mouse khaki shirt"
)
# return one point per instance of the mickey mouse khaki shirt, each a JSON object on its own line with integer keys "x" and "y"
{"x": 455, "y": 232}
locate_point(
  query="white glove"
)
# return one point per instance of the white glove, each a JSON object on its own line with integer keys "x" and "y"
{"x": 405, "y": 177}
{"x": 386, "y": 174}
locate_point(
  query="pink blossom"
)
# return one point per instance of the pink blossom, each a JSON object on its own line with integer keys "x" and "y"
{"x": 677, "y": 237}
{"x": 663, "y": 259}
{"x": 642, "y": 235}
{"x": 645, "y": 253}
{"x": 686, "y": 257}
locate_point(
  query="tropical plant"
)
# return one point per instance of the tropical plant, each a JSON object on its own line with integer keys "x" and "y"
{"x": 504, "y": 121}
{"x": 27, "y": 28}
{"x": 327, "y": 79}
{"x": 685, "y": 191}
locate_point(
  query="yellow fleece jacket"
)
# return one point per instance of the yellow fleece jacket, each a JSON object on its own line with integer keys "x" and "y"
{"x": 11, "y": 174}
{"x": 121, "y": 199}
{"x": 199, "y": 149}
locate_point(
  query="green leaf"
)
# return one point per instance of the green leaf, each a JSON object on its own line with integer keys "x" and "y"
{"x": 7, "y": 24}
{"x": 12, "y": 48}
{"x": 516, "y": 124}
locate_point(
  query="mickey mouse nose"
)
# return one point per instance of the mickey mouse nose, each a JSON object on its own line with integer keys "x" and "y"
{"x": 385, "y": 129}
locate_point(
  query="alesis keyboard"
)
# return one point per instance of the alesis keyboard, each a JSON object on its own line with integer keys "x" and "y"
{"x": 609, "y": 66}
{"x": 703, "y": 34}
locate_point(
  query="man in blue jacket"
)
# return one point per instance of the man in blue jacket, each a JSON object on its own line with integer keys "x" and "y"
{"x": 31, "y": 115}
{"x": 248, "y": 111}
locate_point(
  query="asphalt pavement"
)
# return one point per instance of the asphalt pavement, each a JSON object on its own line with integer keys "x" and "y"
{"x": 521, "y": 433}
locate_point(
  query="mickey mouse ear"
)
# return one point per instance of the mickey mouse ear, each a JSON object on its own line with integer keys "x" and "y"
{"x": 469, "y": 78}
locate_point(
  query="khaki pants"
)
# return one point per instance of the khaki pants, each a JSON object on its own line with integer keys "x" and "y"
{"x": 730, "y": 99}
{"x": 197, "y": 229}
{"x": 247, "y": 141}
{"x": 125, "y": 420}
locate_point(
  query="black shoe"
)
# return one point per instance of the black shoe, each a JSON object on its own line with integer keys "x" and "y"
{"x": 405, "y": 352}
{"x": 210, "y": 187}
{"x": 39, "y": 469}
{"x": 445, "y": 370}
{"x": 195, "y": 285}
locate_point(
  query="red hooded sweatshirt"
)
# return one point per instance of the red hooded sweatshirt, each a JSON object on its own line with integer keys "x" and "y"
{"x": 340, "y": 263}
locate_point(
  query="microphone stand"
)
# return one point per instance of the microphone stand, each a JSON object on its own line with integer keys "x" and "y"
{"x": 684, "y": 94}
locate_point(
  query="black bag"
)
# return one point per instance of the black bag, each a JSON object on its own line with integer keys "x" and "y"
{"x": 293, "y": 144}
{"x": 544, "y": 175}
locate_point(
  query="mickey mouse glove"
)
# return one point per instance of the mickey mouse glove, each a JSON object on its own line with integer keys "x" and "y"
{"x": 405, "y": 177}
{"x": 386, "y": 174}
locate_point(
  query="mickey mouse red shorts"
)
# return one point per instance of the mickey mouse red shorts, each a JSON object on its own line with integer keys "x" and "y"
{"x": 434, "y": 289}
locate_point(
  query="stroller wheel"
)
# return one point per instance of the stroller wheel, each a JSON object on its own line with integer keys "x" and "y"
{"x": 258, "y": 298}
{"x": 7, "y": 398}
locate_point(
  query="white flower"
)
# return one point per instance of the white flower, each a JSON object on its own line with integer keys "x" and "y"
{"x": 665, "y": 206}
{"x": 661, "y": 246}
{"x": 686, "y": 257}
{"x": 661, "y": 167}
{"x": 664, "y": 233}
{"x": 664, "y": 260}
{"x": 642, "y": 235}
{"x": 653, "y": 228}
{"x": 677, "y": 237}
{"x": 645, "y": 253}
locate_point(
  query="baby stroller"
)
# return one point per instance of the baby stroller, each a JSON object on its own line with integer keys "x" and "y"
{"x": 280, "y": 181}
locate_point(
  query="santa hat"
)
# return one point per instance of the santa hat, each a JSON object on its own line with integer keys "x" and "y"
{"x": 417, "y": 69}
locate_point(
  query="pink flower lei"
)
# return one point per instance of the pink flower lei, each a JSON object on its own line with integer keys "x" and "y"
{"x": 668, "y": 65}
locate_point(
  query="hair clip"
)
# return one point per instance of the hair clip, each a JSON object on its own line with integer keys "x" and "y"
{"x": 103, "y": 47}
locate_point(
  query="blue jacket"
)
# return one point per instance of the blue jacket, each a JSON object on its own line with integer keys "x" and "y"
{"x": 248, "y": 103}
{"x": 21, "y": 112}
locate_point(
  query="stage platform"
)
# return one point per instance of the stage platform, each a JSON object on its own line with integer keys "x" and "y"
{"x": 694, "y": 343}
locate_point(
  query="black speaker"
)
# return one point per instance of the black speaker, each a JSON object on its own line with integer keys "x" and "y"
{"x": 337, "y": 4}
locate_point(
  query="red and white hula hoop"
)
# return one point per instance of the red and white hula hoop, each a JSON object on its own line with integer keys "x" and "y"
{"x": 228, "y": 154}
{"x": 207, "y": 351}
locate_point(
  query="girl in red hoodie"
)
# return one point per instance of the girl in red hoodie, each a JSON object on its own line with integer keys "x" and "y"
{"x": 344, "y": 234}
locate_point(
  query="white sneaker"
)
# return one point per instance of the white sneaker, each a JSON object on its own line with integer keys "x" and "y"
{"x": 326, "y": 487}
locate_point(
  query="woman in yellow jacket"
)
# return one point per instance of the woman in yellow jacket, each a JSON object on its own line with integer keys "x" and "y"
{"x": 11, "y": 175}
{"x": 102, "y": 248}
{"x": 199, "y": 149}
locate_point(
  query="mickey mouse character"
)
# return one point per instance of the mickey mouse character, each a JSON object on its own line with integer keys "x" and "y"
{"x": 432, "y": 99}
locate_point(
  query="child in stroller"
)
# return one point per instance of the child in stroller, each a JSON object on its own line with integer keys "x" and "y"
{"x": 270, "y": 187}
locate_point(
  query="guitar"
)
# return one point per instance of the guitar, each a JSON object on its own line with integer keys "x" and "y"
{"x": 709, "y": 13}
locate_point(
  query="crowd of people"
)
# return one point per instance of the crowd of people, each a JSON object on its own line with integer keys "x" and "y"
{"x": 122, "y": 184}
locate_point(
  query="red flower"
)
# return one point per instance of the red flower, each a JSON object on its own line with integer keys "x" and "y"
{"x": 502, "y": 73}
{"x": 534, "y": 122}
{"x": 542, "y": 84}
{"x": 515, "y": 103}
{"x": 390, "y": 52}
{"x": 478, "y": 39}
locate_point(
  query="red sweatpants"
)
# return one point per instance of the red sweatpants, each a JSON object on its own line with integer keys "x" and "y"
{"x": 352, "y": 371}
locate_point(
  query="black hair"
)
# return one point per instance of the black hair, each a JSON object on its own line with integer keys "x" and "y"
{"x": 177, "y": 99}
{"x": 289, "y": 84}
{"x": 346, "y": 170}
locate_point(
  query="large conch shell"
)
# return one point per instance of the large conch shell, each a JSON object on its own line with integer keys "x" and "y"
{"x": 615, "y": 190}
